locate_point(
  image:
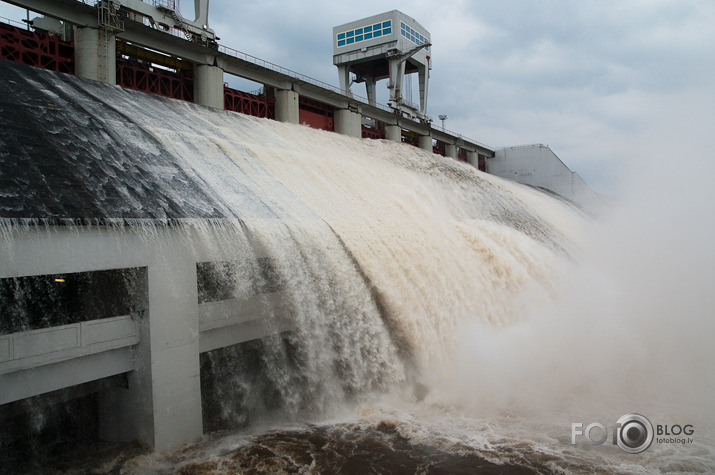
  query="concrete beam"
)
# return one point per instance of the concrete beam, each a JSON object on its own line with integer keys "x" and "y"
{"x": 34, "y": 348}
{"x": 247, "y": 70}
{"x": 43, "y": 379}
{"x": 72, "y": 11}
{"x": 446, "y": 137}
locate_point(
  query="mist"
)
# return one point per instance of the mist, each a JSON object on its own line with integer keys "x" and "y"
{"x": 630, "y": 326}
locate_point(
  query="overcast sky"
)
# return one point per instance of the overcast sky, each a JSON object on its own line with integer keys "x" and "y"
{"x": 609, "y": 85}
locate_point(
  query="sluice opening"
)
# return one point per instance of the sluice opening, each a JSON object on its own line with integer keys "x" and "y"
{"x": 240, "y": 386}
{"x": 66, "y": 344}
{"x": 52, "y": 429}
{"x": 45, "y": 301}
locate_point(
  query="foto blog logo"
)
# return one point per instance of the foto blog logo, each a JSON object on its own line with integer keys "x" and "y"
{"x": 633, "y": 433}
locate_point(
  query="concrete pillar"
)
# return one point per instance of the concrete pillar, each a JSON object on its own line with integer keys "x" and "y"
{"x": 371, "y": 88}
{"x": 393, "y": 132}
{"x": 473, "y": 158}
{"x": 162, "y": 402}
{"x": 425, "y": 142}
{"x": 287, "y": 108}
{"x": 208, "y": 86}
{"x": 126, "y": 414}
{"x": 450, "y": 150}
{"x": 95, "y": 55}
{"x": 344, "y": 79}
{"x": 348, "y": 123}
{"x": 174, "y": 332}
{"x": 424, "y": 88}
{"x": 397, "y": 77}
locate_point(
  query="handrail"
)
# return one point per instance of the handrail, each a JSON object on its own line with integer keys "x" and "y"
{"x": 466, "y": 139}
{"x": 14, "y": 23}
{"x": 289, "y": 72}
{"x": 528, "y": 145}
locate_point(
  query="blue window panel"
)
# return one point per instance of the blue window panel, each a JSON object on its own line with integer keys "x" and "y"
{"x": 358, "y": 38}
{"x": 358, "y": 31}
{"x": 368, "y": 29}
{"x": 351, "y": 41}
{"x": 387, "y": 24}
{"x": 341, "y": 36}
{"x": 412, "y": 38}
{"x": 387, "y": 31}
{"x": 368, "y": 36}
{"x": 341, "y": 43}
{"x": 403, "y": 33}
{"x": 351, "y": 34}
{"x": 378, "y": 33}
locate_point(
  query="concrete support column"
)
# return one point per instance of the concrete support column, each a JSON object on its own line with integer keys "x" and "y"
{"x": 473, "y": 158}
{"x": 397, "y": 77}
{"x": 287, "y": 107}
{"x": 174, "y": 331}
{"x": 426, "y": 142}
{"x": 450, "y": 150}
{"x": 393, "y": 132}
{"x": 371, "y": 88}
{"x": 424, "y": 88}
{"x": 161, "y": 404}
{"x": 208, "y": 86}
{"x": 348, "y": 123}
{"x": 95, "y": 55}
{"x": 344, "y": 79}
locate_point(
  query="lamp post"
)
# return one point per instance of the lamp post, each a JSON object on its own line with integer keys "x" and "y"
{"x": 442, "y": 117}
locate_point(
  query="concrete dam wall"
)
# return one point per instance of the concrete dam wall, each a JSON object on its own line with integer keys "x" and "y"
{"x": 190, "y": 267}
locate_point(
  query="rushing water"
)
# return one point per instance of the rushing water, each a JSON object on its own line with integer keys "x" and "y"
{"x": 445, "y": 320}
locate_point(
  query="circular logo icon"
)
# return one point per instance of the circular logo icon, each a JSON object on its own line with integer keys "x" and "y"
{"x": 634, "y": 434}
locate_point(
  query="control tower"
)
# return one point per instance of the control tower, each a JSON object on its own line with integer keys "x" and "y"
{"x": 388, "y": 45}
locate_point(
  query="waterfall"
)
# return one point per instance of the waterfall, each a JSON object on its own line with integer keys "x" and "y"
{"x": 382, "y": 272}
{"x": 384, "y": 251}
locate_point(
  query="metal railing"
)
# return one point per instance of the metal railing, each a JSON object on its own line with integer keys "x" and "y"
{"x": 466, "y": 139}
{"x": 168, "y": 4}
{"x": 295, "y": 75}
{"x": 528, "y": 145}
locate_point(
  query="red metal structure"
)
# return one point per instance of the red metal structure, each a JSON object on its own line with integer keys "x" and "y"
{"x": 372, "y": 133}
{"x": 147, "y": 78}
{"x": 315, "y": 114}
{"x": 36, "y": 49}
{"x": 249, "y": 104}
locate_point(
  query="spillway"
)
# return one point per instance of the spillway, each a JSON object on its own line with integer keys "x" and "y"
{"x": 187, "y": 270}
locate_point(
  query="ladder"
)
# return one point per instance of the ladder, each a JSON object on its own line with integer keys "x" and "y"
{"x": 108, "y": 16}
{"x": 181, "y": 24}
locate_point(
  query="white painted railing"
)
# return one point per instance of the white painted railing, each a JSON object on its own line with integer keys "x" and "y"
{"x": 30, "y": 349}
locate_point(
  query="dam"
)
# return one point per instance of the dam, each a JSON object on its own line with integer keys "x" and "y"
{"x": 169, "y": 268}
{"x": 183, "y": 238}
